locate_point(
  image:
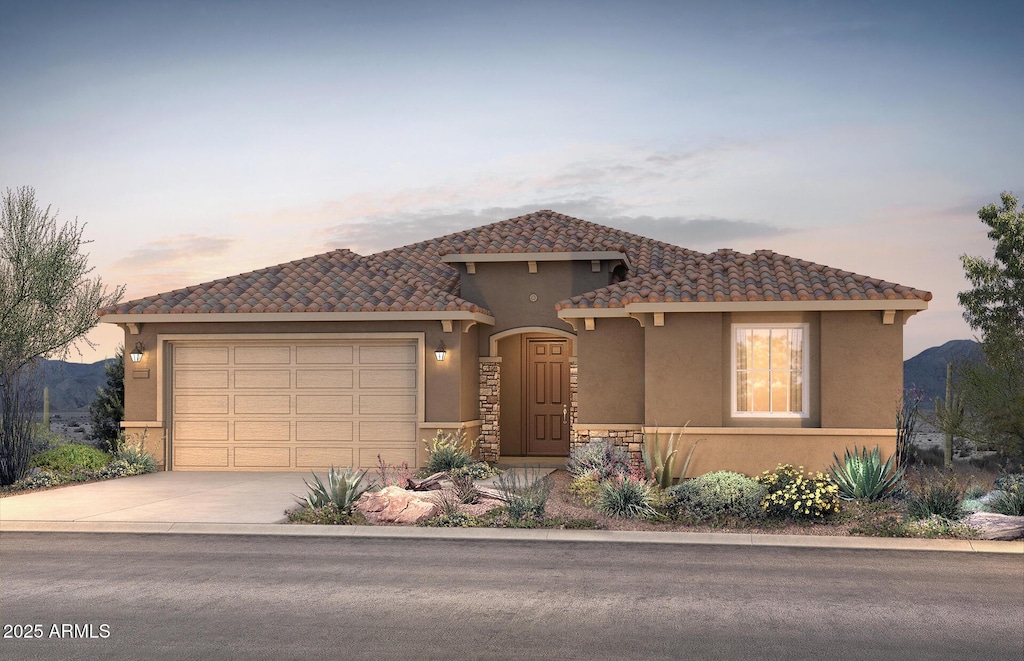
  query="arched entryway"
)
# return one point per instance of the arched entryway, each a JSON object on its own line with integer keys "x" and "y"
{"x": 536, "y": 393}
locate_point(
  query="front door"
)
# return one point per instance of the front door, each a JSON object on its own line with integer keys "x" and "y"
{"x": 547, "y": 397}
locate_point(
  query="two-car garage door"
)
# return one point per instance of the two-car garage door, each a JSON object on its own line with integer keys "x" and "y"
{"x": 293, "y": 405}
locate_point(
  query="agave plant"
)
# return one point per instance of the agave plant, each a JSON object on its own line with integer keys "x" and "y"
{"x": 342, "y": 490}
{"x": 659, "y": 460}
{"x": 864, "y": 476}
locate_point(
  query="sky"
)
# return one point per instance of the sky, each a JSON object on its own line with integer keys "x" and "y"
{"x": 197, "y": 140}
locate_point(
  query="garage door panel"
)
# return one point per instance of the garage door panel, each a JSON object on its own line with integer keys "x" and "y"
{"x": 201, "y": 404}
{"x": 323, "y": 456}
{"x": 324, "y": 355}
{"x": 309, "y": 378}
{"x": 402, "y": 379}
{"x": 392, "y": 456}
{"x": 387, "y": 355}
{"x": 263, "y": 430}
{"x": 201, "y": 355}
{"x": 200, "y": 379}
{"x": 265, "y": 457}
{"x": 263, "y": 379}
{"x": 195, "y": 457}
{"x": 387, "y": 404}
{"x": 323, "y": 430}
{"x": 266, "y": 404}
{"x": 374, "y": 431}
{"x": 323, "y": 404}
{"x": 201, "y": 430}
{"x": 263, "y": 404}
{"x": 269, "y": 355}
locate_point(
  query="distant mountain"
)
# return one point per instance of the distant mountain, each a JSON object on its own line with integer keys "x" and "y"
{"x": 72, "y": 385}
{"x": 927, "y": 370}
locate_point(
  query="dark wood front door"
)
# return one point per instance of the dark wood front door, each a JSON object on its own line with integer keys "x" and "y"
{"x": 547, "y": 397}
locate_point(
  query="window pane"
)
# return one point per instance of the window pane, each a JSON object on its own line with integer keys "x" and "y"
{"x": 760, "y": 349}
{"x": 769, "y": 370}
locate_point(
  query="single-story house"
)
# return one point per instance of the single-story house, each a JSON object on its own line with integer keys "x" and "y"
{"x": 533, "y": 334}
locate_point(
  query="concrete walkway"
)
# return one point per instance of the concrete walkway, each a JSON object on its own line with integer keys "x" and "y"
{"x": 222, "y": 503}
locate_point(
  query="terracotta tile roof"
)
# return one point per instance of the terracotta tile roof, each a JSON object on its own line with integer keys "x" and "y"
{"x": 337, "y": 281}
{"x": 729, "y": 276}
{"x": 413, "y": 277}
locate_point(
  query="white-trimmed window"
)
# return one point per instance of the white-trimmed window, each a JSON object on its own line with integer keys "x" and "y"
{"x": 769, "y": 370}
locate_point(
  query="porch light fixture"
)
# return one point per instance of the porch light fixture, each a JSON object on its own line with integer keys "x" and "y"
{"x": 137, "y": 352}
{"x": 440, "y": 352}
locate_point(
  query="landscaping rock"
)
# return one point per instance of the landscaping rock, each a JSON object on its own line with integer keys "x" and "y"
{"x": 396, "y": 505}
{"x": 997, "y": 526}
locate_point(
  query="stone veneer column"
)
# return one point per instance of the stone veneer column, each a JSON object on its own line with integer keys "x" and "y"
{"x": 574, "y": 405}
{"x": 490, "y": 396}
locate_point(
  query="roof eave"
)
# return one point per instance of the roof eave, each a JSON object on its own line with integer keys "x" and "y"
{"x": 257, "y": 317}
{"x": 746, "y": 306}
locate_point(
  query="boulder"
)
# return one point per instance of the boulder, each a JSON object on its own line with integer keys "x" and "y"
{"x": 396, "y": 505}
{"x": 997, "y": 526}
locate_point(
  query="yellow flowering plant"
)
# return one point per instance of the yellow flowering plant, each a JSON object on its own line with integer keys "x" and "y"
{"x": 792, "y": 493}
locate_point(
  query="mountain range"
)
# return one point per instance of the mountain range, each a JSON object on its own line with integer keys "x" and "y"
{"x": 927, "y": 370}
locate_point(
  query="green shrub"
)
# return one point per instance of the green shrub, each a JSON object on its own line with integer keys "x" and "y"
{"x": 328, "y": 515}
{"x": 1009, "y": 501}
{"x": 525, "y": 495}
{"x": 117, "y": 468}
{"x": 625, "y": 496}
{"x": 714, "y": 496}
{"x": 455, "y": 520}
{"x": 43, "y": 438}
{"x": 447, "y": 451}
{"x": 70, "y": 457}
{"x": 864, "y": 476}
{"x": 974, "y": 491}
{"x": 478, "y": 470}
{"x": 585, "y": 488}
{"x": 600, "y": 457}
{"x": 1007, "y": 480}
{"x": 885, "y": 526}
{"x": 938, "y": 526}
{"x": 793, "y": 494}
{"x": 936, "y": 498}
{"x": 342, "y": 490}
{"x": 973, "y": 505}
{"x": 40, "y": 480}
{"x": 132, "y": 451}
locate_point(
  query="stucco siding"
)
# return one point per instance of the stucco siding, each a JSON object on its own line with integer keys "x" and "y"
{"x": 611, "y": 372}
{"x": 683, "y": 377}
{"x": 861, "y": 369}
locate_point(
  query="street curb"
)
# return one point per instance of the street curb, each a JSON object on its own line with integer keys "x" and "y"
{"x": 524, "y": 535}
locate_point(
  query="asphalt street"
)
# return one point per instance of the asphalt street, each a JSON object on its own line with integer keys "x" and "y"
{"x": 211, "y": 597}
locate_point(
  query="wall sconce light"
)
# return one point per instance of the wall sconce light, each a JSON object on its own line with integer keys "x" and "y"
{"x": 136, "y": 354}
{"x": 440, "y": 352}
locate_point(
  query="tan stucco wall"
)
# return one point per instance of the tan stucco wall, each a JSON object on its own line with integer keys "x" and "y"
{"x": 510, "y": 349}
{"x": 683, "y": 379}
{"x": 755, "y": 450}
{"x": 611, "y": 372}
{"x": 861, "y": 369}
{"x": 504, "y": 288}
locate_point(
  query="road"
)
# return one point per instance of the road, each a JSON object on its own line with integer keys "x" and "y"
{"x": 209, "y": 597}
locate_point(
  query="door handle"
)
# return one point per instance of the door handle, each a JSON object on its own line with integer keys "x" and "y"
{"x": 565, "y": 414}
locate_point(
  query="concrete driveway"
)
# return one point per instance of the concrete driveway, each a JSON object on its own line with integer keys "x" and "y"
{"x": 168, "y": 497}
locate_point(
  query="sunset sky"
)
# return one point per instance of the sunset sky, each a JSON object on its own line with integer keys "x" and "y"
{"x": 203, "y": 139}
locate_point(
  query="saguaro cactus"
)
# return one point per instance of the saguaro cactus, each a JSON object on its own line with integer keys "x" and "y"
{"x": 950, "y": 415}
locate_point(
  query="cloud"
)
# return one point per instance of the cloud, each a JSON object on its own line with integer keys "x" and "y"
{"x": 174, "y": 261}
{"x": 174, "y": 250}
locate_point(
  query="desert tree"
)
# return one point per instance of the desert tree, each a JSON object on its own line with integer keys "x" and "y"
{"x": 992, "y": 390}
{"x": 48, "y": 302}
